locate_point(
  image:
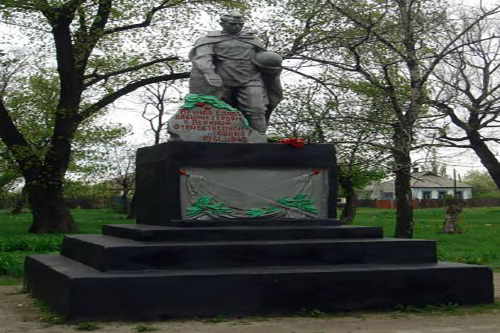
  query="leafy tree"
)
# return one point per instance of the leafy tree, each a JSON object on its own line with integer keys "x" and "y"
{"x": 103, "y": 50}
{"x": 484, "y": 186}
{"x": 31, "y": 100}
{"x": 392, "y": 47}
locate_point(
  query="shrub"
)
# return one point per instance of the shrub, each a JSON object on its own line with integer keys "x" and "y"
{"x": 12, "y": 264}
{"x": 31, "y": 243}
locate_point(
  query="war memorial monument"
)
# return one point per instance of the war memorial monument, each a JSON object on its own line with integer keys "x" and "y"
{"x": 231, "y": 225}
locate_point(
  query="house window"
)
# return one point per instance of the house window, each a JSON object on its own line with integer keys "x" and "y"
{"x": 442, "y": 194}
{"x": 387, "y": 195}
{"x": 459, "y": 195}
{"x": 426, "y": 194}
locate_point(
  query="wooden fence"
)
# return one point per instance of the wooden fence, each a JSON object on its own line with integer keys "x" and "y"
{"x": 429, "y": 203}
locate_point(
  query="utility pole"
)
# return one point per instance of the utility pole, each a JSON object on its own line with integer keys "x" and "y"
{"x": 454, "y": 184}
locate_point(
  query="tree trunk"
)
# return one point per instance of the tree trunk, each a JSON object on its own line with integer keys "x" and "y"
{"x": 349, "y": 210}
{"x": 451, "y": 223}
{"x": 132, "y": 210}
{"x": 404, "y": 212}
{"x": 124, "y": 209}
{"x": 21, "y": 202}
{"x": 50, "y": 213}
{"x": 488, "y": 159}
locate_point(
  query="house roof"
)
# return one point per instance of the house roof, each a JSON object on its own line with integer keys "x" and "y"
{"x": 430, "y": 179}
{"x": 425, "y": 179}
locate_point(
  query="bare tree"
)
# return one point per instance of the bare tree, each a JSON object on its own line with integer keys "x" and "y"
{"x": 120, "y": 172}
{"x": 469, "y": 96}
{"x": 159, "y": 99}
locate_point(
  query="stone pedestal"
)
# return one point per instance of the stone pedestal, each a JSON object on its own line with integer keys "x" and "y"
{"x": 162, "y": 173}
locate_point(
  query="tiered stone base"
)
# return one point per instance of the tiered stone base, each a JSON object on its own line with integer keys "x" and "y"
{"x": 190, "y": 270}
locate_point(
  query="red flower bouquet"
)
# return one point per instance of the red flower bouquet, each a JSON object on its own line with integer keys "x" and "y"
{"x": 296, "y": 143}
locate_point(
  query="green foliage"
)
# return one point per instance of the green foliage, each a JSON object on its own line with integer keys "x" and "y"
{"x": 6, "y": 280}
{"x": 31, "y": 243}
{"x": 48, "y": 316}
{"x": 12, "y": 264}
{"x": 360, "y": 175}
{"x": 315, "y": 313}
{"x": 484, "y": 186}
{"x": 429, "y": 309}
{"x": 192, "y": 99}
{"x": 207, "y": 205}
{"x": 87, "y": 327}
{"x": 257, "y": 212}
{"x": 33, "y": 105}
{"x": 16, "y": 243}
{"x": 145, "y": 328}
{"x": 300, "y": 201}
{"x": 215, "y": 319}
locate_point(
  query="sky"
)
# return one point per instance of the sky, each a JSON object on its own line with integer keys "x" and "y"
{"x": 128, "y": 110}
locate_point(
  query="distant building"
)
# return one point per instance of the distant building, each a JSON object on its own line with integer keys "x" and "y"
{"x": 424, "y": 185}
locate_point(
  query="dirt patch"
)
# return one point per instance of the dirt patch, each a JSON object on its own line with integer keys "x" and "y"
{"x": 18, "y": 313}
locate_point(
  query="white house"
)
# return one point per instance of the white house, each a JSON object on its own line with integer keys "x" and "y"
{"x": 424, "y": 185}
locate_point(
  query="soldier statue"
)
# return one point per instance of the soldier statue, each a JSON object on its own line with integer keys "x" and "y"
{"x": 234, "y": 66}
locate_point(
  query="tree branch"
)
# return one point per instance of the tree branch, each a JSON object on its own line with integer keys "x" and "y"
{"x": 367, "y": 28}
{"x": 447, "y": 49}
{"x": 108, "y": 99}
{"x": 15, "y": 142}
{"x": 148, "y": 17}
{"x": 315, "y": 79}
{"x": 95, "y": 78}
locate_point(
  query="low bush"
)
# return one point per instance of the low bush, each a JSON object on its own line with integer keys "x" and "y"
{"x": 51, "y": 243}
{"x": 12, "y": 264}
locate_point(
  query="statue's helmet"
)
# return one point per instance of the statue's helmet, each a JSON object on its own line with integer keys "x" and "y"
{"x": 268, "y": 60}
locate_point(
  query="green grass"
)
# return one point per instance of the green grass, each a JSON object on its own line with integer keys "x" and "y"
{"x": 16, "y": 243}
{"x": 478, "y": 244}
{"x": 87, "y": 327}
{"x": 7, "y": 280}
{"x": 89, "y": 221}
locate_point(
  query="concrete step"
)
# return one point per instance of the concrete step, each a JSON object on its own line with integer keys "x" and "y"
{"x": 148, "y": 233}
{"x": 83, "y": 293}
{"x": 108, "y": 253}
{"x": 247, "y": 222}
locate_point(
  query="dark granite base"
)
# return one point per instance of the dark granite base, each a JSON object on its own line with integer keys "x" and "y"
{"x": 232, "y": 232}
{"x": 158, "y": 180}
{"x": 83, "y": 293}
{"x": 107, "y": 253}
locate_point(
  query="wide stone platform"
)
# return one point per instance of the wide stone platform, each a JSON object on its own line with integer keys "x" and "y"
{"x": 146, "y": 272}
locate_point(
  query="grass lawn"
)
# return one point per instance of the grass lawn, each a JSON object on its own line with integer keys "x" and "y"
{"x": 478, "y": 244}
{"x": 16, "y": 243}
